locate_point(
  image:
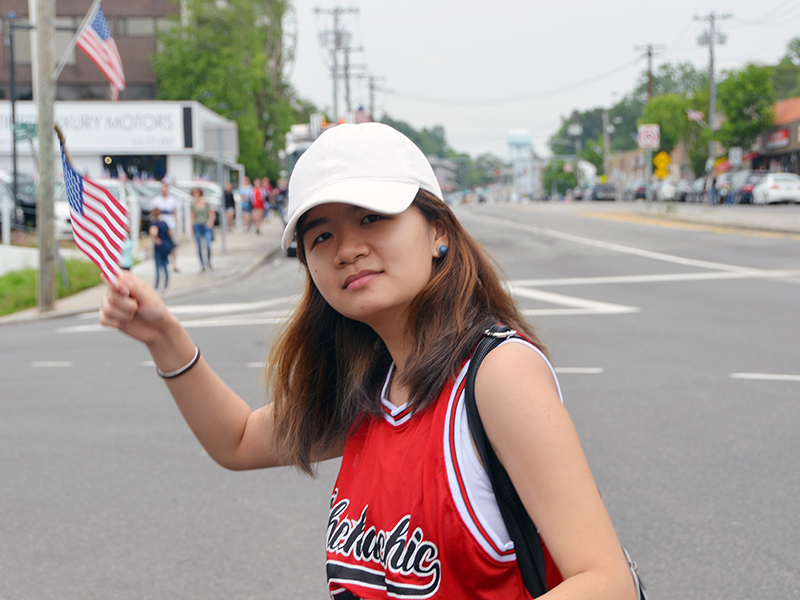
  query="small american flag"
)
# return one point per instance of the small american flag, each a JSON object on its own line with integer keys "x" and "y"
{"x": 96, "y": 41}
{"x": 99, "y": 221}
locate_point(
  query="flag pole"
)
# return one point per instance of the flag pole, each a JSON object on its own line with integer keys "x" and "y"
{"x": 84, "y": 24}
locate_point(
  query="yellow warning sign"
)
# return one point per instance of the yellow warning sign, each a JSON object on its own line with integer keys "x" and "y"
{"x": 662, "y": 160}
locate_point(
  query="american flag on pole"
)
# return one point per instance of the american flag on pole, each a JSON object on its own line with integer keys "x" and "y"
{"x": 96, "y": 41}
{"x": 99, "y": 221}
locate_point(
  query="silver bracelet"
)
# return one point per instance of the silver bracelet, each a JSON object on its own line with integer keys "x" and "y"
{"x": 183, "y": 369}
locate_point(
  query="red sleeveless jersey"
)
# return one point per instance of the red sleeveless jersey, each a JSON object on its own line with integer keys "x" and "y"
{"x": 402, "y": 522}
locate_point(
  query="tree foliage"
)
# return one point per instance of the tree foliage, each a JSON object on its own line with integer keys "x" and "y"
{"x": 554, "y": 178}
{"x": 747, "y": 99}
{"x": 226, "y": 57}
{"x": 679, "y": 78}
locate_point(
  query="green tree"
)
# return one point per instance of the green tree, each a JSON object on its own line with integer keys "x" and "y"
{"x": 747, "y": 100}
{"x": 669, "y": 112}
{"x": 228, "y": 56}
{"x": 556, "y": 177}
{"x": 431, "y": 141}
{"x": 680, "y": 78}
{"x": 785, "y": 78}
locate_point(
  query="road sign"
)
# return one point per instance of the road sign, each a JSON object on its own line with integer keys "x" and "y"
{"x": 649, "y": 136}
{"x": 735, "y": 156}
{"x": 662, "y": 160}
{"x": 661, "y": 173}
{"x": 24, "y": 131}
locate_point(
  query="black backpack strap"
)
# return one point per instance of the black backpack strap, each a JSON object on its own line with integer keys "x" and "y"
{"x": 521, "y": 528}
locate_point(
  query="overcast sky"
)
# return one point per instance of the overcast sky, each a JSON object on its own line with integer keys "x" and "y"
{"x": 481, "y": 69}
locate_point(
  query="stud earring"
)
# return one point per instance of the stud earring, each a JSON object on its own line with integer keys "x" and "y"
{"x": 442, "y": 250}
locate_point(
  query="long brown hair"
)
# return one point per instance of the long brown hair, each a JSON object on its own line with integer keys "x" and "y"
{"x": 325, "y": 371}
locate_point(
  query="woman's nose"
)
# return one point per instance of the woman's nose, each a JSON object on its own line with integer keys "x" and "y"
{"x": 350, "y": 248}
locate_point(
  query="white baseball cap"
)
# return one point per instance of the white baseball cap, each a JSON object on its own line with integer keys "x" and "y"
{"x": 370, "y": 165}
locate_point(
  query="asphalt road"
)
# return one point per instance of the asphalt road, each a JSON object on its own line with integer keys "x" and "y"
{"x": 678, "y": 357}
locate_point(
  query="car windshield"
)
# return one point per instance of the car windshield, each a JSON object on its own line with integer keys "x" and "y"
{"x": 146, "y": 191}
{"x": 786, "y": 177}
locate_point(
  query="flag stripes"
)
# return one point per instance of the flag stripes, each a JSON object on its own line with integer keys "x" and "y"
{"x": 99, "y": 220}
{"x": 98, "y": 44}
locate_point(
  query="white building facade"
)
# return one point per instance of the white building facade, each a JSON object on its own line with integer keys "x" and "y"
{"x": 148, "y": 140}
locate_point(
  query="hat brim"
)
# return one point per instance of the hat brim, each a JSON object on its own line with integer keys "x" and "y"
{"x": 385, "y": 197}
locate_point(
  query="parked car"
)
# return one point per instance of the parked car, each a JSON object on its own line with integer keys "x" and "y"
{"x": 696, "y": 190}
{"x": 635, "y": 190}
{"x": 602, "y": 191}
{"x": 777, "y": 187}
{"x": 16, "y": 216}
{"x": 682, "y": 189}
{"x": 26, "y": 197}
{"x": 742, "y": 184}
{"x": 667, "y": 191}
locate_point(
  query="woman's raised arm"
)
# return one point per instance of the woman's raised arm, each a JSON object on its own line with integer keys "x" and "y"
{"x": 535, "y": 440}
{"x": 232, "y": 434}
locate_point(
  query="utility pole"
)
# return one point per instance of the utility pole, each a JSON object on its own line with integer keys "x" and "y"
{"x": 606, "y": 146}
{"x": 45, "y": 95}
{"x": 650, "y": 51}
{"x": 373, "y": 87}
{"x": 346, "y": 73}
{"x": 709, "y": 37}
{"x": 335, "y": 39}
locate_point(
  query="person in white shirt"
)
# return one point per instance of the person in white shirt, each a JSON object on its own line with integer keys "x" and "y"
{"x": 169, "y": 211}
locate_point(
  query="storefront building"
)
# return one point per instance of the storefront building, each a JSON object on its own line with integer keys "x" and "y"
{"x": 138, "y": 140}
{"x": 780, "y": 147}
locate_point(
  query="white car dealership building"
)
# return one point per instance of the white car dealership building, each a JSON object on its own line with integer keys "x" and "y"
{"x": 181, "y": 140}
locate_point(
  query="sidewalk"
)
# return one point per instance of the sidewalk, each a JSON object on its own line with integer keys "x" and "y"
{"x": 245, "y": 252}
{"x": 775, "y": 219}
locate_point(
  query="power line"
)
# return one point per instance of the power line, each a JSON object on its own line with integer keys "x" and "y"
{"x": 535, "y": 96}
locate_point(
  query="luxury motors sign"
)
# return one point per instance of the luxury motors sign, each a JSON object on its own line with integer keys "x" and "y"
{"x": 108, "y": 127}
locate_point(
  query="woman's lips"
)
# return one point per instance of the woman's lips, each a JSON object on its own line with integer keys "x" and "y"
{"x": 360, "y": 279}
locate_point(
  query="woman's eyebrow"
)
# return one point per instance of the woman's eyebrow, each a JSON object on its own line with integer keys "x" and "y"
{"x": 315, "y": 223}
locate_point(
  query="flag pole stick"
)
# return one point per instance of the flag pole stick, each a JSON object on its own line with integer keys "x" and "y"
{"x": 86, "y": 20}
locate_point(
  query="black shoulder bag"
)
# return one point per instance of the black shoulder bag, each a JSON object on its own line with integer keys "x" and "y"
{"x": 521, "y": 528}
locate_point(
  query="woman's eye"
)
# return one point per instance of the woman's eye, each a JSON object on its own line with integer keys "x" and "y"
{"x": 321, "y": 237}
{"x": 370, "y": 219}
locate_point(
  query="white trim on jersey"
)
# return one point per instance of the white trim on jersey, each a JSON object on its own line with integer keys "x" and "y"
{"x": 395, "y": 415}
{"x": 470, "y": 486}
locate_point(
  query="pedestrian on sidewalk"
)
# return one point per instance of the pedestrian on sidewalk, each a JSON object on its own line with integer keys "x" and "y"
{"x": 258, "y": 205}
{"x": 230, "y": 205}
{"x": 203, "y": 217}
{"x": 246, "y": 195}
{"x": 168, "y": 206}
{"x": 162, "y": 246}
{"x": 370, "y": 368}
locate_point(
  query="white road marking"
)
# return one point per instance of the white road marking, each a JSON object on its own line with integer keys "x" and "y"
{"x": 255, "y": 365}
{"x": 765, "y": 376}
{"x": 47, "y": 364}
{"x": 576, "y": 306}
{"x": 581, "y": 370}
{"x": 148, "y": 363}
{"x": 689, "y": 262}
{"x": 665, "y": 278}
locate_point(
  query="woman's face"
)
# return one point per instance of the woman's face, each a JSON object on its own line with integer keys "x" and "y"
{"x": 370, "y": 266}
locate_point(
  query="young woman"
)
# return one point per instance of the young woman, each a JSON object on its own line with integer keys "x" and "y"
{"x": 370, "y": 368}
{"x": 203, "y": 217}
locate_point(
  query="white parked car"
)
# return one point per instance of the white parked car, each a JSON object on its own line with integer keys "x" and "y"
{"x": 777, "y": 187}
{"x": 667, "y": 191}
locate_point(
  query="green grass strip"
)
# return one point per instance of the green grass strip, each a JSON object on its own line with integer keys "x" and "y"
{"x": 18, "y": 288}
